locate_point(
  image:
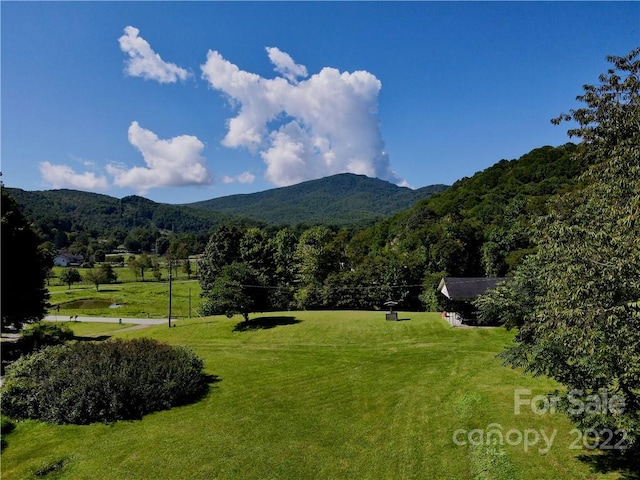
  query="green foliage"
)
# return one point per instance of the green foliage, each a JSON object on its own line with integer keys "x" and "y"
{"x": 342, "y": 200}
{"x": 482, "y": 225}
{"x": 43, "y": 334}
{"x": 97, "y": 276}
{"x": 101, "y": 382}
{"x": 582, "y": 324}
{"x": 33, "y": 338}
{"x": 25, "y": 268}
{"x": 69, "y": 276}
{"x": 511, "y": 302}
{"x": 222, "y": 249}
{"x": 238, "y": 290}
{"x": 68, "y": 216}
{"x": 109, "y": 273}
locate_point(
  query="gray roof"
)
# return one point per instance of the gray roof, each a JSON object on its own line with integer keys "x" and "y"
{"x": 467, "y": 288}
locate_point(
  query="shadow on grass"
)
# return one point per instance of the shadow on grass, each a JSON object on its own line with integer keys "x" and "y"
{"x": 628, "y": 465}
{"x": 208, "y": 383}
{"x": 263, "y": 323}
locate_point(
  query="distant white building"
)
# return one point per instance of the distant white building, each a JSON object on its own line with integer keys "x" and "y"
{"x": 68, "y": 260}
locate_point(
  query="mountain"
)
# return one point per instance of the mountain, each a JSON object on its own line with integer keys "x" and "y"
{"x": 343, "y": 199}
{"x": 96, "y": 214}
{"x": 481, "y": 225}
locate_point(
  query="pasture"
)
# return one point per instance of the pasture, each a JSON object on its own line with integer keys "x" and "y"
{"x": 133, "y": 299}
{"x": 322, "y": 395}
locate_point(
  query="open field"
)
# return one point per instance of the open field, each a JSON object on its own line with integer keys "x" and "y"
{"x": 125, "y": 274}
{"x": 135, "y": 299}
{"x": 320, "y": 395}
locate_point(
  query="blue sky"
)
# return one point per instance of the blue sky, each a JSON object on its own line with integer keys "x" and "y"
{"x": 181, "y": 102}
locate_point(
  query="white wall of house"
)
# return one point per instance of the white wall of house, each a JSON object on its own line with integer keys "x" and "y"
{"x": 61, "y": 261}
{"x": 453, "y": 318}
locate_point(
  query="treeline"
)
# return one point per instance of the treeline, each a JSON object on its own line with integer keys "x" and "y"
{"x": 88, "y": 223}
{"x": 85, "y": 223}
{"x": 480, "y": 226}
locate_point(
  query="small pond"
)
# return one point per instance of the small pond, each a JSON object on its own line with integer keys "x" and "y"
{"x": 89, "y": 303}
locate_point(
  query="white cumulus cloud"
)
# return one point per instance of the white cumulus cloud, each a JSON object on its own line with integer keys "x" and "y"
{"x": 322, "y": 125}
{"x": 170, "y": 163}
{"x": 244, "y": 177}
{"x": 63, "y": 176}
{"x": 285, "y": 65}
{"x": 144, "y": 62}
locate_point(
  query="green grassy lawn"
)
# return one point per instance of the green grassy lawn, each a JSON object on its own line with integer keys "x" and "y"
{"x": 90, "y": 329}
{"x": 320, "y": 395}
{"x": 136, "y": 299}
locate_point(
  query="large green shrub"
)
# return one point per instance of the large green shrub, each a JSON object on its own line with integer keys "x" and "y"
{"x": 89, "y": 382}
{"x": 44, "y": 334}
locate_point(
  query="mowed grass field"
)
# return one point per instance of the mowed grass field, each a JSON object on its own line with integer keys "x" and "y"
{"x": 317, "y": 395}
{"x": 135, "y": 299}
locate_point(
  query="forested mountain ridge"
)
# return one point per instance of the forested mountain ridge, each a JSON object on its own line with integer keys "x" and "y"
{"x": 341, "y": 200}
{"x": 73, "y": 209}
{"x": 71, "y": 212}
{"x": 72, "y": 219}
{"x": 481, "y": 224}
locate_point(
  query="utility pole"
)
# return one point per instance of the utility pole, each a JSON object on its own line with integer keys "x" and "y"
{"x": 169, "y": 294}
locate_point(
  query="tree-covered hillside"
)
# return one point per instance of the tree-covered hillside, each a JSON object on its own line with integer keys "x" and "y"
{"x": 341, "y": 200}
{"x": 480, "y": 225}
{"x": 82, "y": 222}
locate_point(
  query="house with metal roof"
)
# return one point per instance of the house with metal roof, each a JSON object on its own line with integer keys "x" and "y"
{"x": 462, "y": 291}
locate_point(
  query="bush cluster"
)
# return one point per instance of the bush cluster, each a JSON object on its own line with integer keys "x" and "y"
{"x": 114, "y": 380}
{"x": 44, "y": 334}
{"x": 34, "y": 337}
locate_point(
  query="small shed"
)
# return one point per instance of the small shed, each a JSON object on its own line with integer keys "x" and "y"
{"x": 462, "y": 291}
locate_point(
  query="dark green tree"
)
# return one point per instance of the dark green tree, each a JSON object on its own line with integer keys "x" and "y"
{"x": 583, "y": 326}
{"x": 222, "y": 249}
{"x": 314, "y": 261}
{"x": 109, "y": 273}
{"x": 97, "y": 276}
{"x": 24, "y": 269}
{"x": 187, "y": 268}
{"x": 70, "y": 276}
{"x": 142, "y": 263}
{"x": 283, "y": 246}
{"x": 238, "y": 290}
